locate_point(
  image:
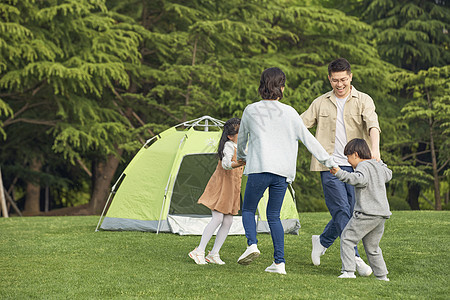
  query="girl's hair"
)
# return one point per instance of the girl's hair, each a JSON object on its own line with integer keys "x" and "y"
{"x": 231, "y": 127}
{"x": 359, "y": 146}
{"x": 272, "y": 80}
{"x": 339, "y": 65}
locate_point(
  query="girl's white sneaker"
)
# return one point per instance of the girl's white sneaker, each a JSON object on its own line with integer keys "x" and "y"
{"x": 214, "y": 259}
{"x": 198, "y": 256}
{"x": 277, "y": 268}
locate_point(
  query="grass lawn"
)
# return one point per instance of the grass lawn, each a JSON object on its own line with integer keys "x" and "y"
{"x": 63, "y": 258}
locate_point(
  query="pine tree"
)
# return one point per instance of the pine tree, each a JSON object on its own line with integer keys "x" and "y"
{"x": 430, "y": 109}
{"x": 410, "y": 34}
{"x": 60, "y": 62}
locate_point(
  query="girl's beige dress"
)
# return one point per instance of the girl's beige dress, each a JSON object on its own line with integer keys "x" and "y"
{"x": 223, "y": 191}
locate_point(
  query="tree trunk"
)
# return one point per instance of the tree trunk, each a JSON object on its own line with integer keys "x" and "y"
{"x": 33, "y": 191}
{"x": 103, "y": 175}
{"x": 413, "y": 195}
{"x": 437, "y": 191}
{"x": 2, "y": 198}
{"x": 189, "y": 86}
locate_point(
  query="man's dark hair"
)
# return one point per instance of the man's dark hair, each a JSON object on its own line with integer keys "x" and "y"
{"x": 339, "y": 65}
{"x": 272, "y": 80}
{"x": 359, "y": 146}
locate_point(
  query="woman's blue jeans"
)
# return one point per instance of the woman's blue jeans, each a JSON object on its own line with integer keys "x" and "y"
{"x": 254, "y": 190}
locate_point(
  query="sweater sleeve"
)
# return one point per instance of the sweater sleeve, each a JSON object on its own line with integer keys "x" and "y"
{"x": 387, "y": 171}
{"x": 356, "y": 178}
{"x": 242, "y": 137}
{"x": 228, "y": 152}
{"x": 314, "y": 146}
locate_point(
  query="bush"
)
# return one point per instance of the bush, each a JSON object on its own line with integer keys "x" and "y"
{"x": 398, "y": 203}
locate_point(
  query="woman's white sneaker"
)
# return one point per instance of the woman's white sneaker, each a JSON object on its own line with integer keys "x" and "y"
{"x": 250, "y": 254}
{"x": 277, "y": 268}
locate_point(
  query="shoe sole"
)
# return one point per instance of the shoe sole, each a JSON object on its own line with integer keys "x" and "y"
{"x": 273, "y": 271}
{"x": 213, "y": 262}
{"x": 249, "y": 258}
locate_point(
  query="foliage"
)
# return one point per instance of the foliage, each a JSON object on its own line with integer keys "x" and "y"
{"x": 80, "y": 80}
{"x": 54, "y": 255}
{"x": 60, "y": 62}
{"x": 410, "y": 34}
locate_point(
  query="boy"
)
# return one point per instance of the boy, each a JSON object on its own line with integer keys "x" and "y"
{"x": 371, "y": 208}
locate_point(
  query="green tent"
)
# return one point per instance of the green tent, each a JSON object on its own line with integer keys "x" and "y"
{"x": 159, "y": 189}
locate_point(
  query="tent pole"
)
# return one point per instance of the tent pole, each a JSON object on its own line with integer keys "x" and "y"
{"x": 104, "y": 208}
{"x": 164, "y": 201}
{"x": 113, "y": 190}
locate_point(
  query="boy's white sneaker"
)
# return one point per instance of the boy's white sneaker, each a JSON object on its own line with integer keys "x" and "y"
{"x": 362, "y": 268}
{"x": 198, "y": 256}
{"x": 250, "y": 254}
{"x": 384, "y": 278}
{"x": 347, "y": 275}
{"x": 317, "y": 250}
{"x": 277, "y": 268}
{"x": 214, "y": 259}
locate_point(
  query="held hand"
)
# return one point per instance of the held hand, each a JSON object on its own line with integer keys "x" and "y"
{"x": 239, "y": 163}
{"x": 334, "y": 170}
{"x": 376, "y": 155}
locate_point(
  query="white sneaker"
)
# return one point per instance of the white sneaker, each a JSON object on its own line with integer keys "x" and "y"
{"x": 384, "y": 278}
{"x": 317, "y": 250}
{"x": 214, "y": 259}
{"x": 198, "y": 256}
{"x": 277, "y": 268}
{"x": 249, "y": 255}
{"x": 347, "y": 275}
{"x": 362, "y": 268}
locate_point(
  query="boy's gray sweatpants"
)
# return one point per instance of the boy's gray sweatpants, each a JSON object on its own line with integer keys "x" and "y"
{"x": 369, "y": 229}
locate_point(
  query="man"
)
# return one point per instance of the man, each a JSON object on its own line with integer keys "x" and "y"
{"x": 340, "y": 115}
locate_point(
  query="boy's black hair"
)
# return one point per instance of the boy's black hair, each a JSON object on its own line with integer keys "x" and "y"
{"x": 359, "y": 146}
{"x": 339, "y": 65}
{"x": 272, "y": 80}
{"x": 231, "y": 127}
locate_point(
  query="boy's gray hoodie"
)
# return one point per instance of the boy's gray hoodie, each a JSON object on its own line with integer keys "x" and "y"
{"x": 369, "y": 179}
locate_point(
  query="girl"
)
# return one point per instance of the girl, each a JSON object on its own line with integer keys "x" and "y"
{"x": 272, "y": 130}
{"x": 221, "y": 195}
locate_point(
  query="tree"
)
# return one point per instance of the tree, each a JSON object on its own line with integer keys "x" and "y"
{"x": 410, "y": 34}
{"x": 60, "y": 62}
{"x": 430, "y": 106}
{"x": 413, "y": 35}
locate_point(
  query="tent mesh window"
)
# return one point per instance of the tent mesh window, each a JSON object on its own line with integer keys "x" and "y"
{"x": 193, "y": 176}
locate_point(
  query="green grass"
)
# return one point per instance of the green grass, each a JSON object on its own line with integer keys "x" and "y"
{"x": 63, "y": 258}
